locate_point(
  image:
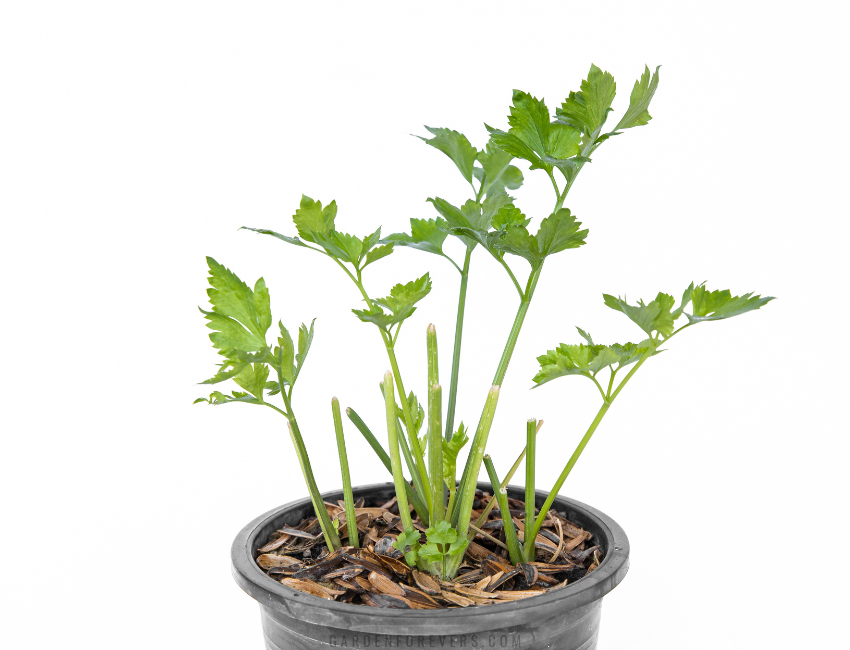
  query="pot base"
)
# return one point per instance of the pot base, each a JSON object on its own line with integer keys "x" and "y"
{"x": 574, "y": 630}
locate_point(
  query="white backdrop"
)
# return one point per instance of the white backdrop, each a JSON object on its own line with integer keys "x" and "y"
{"x": 137, "y": 137}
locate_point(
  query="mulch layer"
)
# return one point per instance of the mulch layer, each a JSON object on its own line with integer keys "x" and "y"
{"x": 375, "y": 574}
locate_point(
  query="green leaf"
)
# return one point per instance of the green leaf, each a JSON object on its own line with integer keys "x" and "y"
{"x": 431, "y": 553}
{"x": 286, "y": 355}
{"x": 441, "y": 533}
{"x": 509, "y": 216}
{"x": 587, "y": 360}
{"x": 717, "y": 305}
{"x": 498, "y": 173}
{"x": 642, "y": 93}
{"x": 311, "y": 220}
{"x": 253, "y": 379}
{"x": 425, "y": 234}
{"x": 380, "y": 318}
{"x": 216, "y": 398}
{"x": 378, "y": 253}
{"x": 587, "y": 109}
{"x": 232, "y": 298}
{"x": 230, "y": 335}
{"x": 408, "y": 543}
{"x": 653, "y": 317}
{"x": 533, "y": 137}
{"x": 455, "y": 146}
{"x": 457, "y": 547}
{"x": 451, "y": 449}
{"x": 403, "y": 296}
{"x": 289, "y": 240}
{"x": 558, "y": 232}
{"x": 227, "y": 370}
{"x": 686, "y": 298}
{"x": 305, "y": 340}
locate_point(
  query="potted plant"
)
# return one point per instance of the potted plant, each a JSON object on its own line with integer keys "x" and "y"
{"x": 435, "y": 558}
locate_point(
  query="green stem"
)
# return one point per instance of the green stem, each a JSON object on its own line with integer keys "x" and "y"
{"x": 482, "y": 518}
{"x": 325, "y": 523}
{"x": 530, "y": 466}
{"x": 463, "y": 505}
{"x": 502, "y": 368}
{"x": 581, "y": 445}
{"x": 331, "y": 538}
{"x": 422, "y": 480}
{"x": 435, "y": 453}
{"x": 413, "y": 497}
{"x": 500, "y": 494}
{"x": 395, "y": 457}
{"x": 461, "y": 305}
{"x": 348, "y": 496}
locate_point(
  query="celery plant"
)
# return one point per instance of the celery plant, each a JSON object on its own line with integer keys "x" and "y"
{"x": 491, "y": 221}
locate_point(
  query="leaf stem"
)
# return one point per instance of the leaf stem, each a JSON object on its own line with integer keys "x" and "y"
{"x": 581, "y": 445}
{"x": 418, "y": 504}
{"x": 530, "y": 465}
{"x": 482, "y": 518}
{"x": 500, "y": 494}
{"x": 331, "y": 538}
{"x": 461, "y": 306}
{"x": 464, "y": 502}
{"x": 347, "y": 495}
{"x": 395, "y": 458}
{"x": 435, "y": 453}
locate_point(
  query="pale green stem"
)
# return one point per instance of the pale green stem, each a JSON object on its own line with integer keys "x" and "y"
{"x": 538, "y": 523}
{"x": 418, "y": 503}
{"x": 331, "y": 537}
{"x": 482, "y": 518}
{"x": 476, "y": 455}
{"x": 530, "y": 465}
{"x": 501, "y": 370}
{"x": 435, "y": 453}
{"x": 500, "y": 494}
{"x": 395, "y": 456}
{"x": 347, "y": 495}
{"x": 461, "y": 306}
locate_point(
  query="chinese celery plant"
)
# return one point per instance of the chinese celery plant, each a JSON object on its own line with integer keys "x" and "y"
{"x": 424, "y": 465}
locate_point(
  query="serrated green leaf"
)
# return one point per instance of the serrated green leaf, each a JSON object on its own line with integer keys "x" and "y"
{"x": 457, "y": 547}
{"x": 442, "y": 533}
{"x": 378, "y": 253}
{"x": 642, "y": 93}
{"x": 289, "y": 240}
{"x": 558, "y": 232}
{"x": 585, "y": 336}
{"x": 587, "y": 360}
{"x": 286, "y": 355}
{"x": 717, "y": 305}
{"x": 253, "y": 379}
{"x": 226, "y": 370}
{"x": 564, "y": 142}
{"x": 262, "y": 306}
{"x": 498, "y": 173}
{"x": 686, "y": 298}
{"x": 232, "y": 298}
{"x": 230, "y": 335}
{"x": 404, "y": 296}
{"x": 653, "y": 317}
{"x": 451, "y": 449}
{"x": 380, "y": 318}
{"x": 431, "y": 553}
{"x": 305, "y": 340}
{"x": 587, "y": 109}
{"x": 455, "y": 146}
{"x": 408, "y": 543}
{"x": 508, "y": 216}
{"x": 312, "y": 220}
{"x": 426, "y": 234}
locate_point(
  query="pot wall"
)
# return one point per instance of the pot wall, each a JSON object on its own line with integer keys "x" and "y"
{"x": 567, "y": 619}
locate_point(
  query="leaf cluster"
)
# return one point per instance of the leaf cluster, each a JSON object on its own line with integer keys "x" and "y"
{"x": 240, "y": 319}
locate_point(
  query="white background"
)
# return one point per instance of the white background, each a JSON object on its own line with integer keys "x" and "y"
{"x": 137, "y": 137}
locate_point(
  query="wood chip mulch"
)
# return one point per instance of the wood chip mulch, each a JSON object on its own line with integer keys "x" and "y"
{"x": 377, "y": 575}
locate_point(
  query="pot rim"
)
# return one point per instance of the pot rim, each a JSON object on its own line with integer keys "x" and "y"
{"x": 271, "y": 593}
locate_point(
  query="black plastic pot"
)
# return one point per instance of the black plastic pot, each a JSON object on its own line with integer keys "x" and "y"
{"x": 566, "y": 619}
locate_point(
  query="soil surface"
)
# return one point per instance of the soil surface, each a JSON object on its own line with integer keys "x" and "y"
{"x": 375, "y": 573}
